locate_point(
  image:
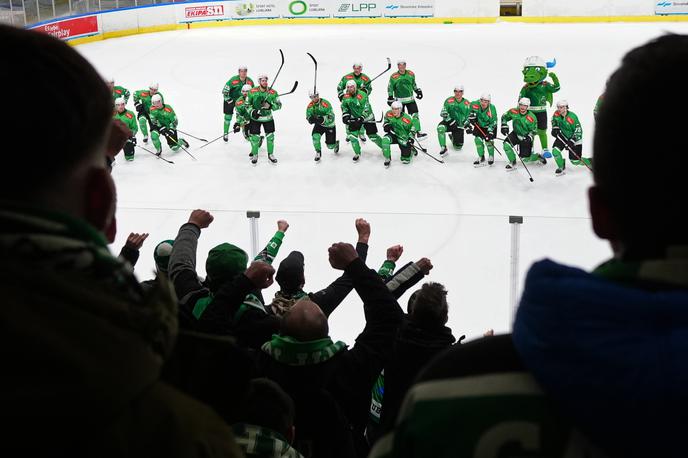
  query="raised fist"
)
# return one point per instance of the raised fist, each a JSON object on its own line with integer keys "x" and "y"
{"x": 363, "y": 229}
{"x": 394, "y": 253}
{"x": 201, "y": 218}
{"x": 261, "y": 274}
{"x": 341, "y": 255}
{"x": 135, "y": 240}
{"x": 282, "y": 225}
{"x": 424, "y": 265}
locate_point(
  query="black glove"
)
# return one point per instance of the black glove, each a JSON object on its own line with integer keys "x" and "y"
{"x": 472, "y": 117}
{"x": 556, "y": 131}
{"x": 341, "y": 96}
{"x": 255, "y": 114}
{"x": 469, "y": 128}
{"x": 387, "y": 128}
{"x": 236, "y": 127}
{"x": 319, "y": 120}
{"x": 140, "y": 109}
{"x": 359, "y": 120}
{"x": 346, "y": 119}
{"x": 132, "y": 140}
{"x": 164, "y": 131}
{"x": 311, "y": 120}
{"x": 390, "y": 100}
{"x": 505, "y": 130}
{"x": 491, "y": 135}
{"x": 419, "y": 93}
{"x": 451, "y": 125}
{"x": 411, "y": 141}
{"x": 230, "y": 103}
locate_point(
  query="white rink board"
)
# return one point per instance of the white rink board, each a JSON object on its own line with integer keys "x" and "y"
{"x": 452, "y": 213}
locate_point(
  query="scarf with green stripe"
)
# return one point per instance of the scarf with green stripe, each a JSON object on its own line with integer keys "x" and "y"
{"x": 259, "y": 442}
{"x": 50, "y": 243}
{"x": 671, "y": 270}
{"x": 292, "y": 352}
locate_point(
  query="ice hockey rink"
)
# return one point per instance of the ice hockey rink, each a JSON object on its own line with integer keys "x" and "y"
{"x": 453, "y": 213}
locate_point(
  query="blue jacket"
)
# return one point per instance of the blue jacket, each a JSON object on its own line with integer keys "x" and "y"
{"x": 613, "y": 355}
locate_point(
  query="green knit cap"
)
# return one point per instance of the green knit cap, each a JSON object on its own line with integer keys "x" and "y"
{"x": 225, "y": 262}
{"x": 161, "y": 254}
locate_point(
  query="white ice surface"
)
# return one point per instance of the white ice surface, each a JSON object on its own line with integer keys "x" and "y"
{"x": 452, "y": 213}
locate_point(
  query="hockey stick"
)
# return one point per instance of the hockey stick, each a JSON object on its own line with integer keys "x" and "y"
{"x": 179, "y": 145}
{"x": 296, "y": 84}
{"x": 417, "y": 147}
{"x": 212, "y": 141}
{"x": 151, "y": 152}
{"x": 192, "y": 136}
{"x": 475, "y": 124}
{"x": 389, "y": 65}
{"x": 382, "y": 118}
{"x": 573, "y": 152}
{"x": 315, "y": 77}
{"x": 278, "y": 70}
{"x": 520, "y": 158}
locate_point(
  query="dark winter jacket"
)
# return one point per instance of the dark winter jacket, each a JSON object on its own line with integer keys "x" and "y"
{"x": 610, "y": 348}
{"x": 414, "y": 347}
{"x": 82, "y": 346}
{"x": 339, "y": 379}
{"x": 478, "y": 400}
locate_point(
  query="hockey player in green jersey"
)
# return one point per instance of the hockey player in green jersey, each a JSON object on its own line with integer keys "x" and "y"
{"x": 539, "y": 92}
{"x": 319, "y": 113}
{"x": 524, "y": 128}
{"x": 164, "y": 122}
{"x": 230, "y": 94}
{"x": 358, "y": 116}
{"x": 568, "y": 135}
{"x": 361, "y": 79}
{"x": 401, "y": 87}
{"x": 262, "y": 101}
{"x": 482, "y": 123}
{"x": 400, "y": 131}
{"x": 243, "y": 116}
{"x": 362, "y": 84}
{"x": 129, "y": 120}
{"x": 454, "y": 117}
{"x": 118, "y": 91}
{"x": 142, "y": 103}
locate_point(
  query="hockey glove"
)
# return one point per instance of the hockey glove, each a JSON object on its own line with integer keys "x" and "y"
{"x": 164, "y": 131}
{"x": 255, "y": 114}
{"x": 387, "y": 128}
{"x": 556, "y": 131}
{"x": 319, "y": 120}
{"x": 139, "y": 108}
{"x": 469, "y": 128}
{"x": 390, "y": 100}
{"x": 491, "y": 135}
{"x": 236, "y": 127}
{"x": 419, "y": 93}
{"x": 341, "y": 96}
{"x": 411, "y": 141}
{"x": 132, "y": 140}
{"x": 359, "y": 120}
{"x": 311, "y": 120}
{"x": 451, "y": 125}
{"x": 346, "y": 119}
{"x": 505, "y": 130}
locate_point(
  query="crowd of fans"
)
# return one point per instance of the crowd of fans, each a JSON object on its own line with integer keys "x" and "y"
{"x": 97, "y": 363}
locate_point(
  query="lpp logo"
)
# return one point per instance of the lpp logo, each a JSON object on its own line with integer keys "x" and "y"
{"x": 357, "y": 7}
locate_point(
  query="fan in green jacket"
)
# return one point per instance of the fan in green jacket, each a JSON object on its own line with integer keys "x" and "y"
{"x": 401, "y": 87}
{"x": 482, "y": 123}
{"x": 358, "y": 116}
{"x": 231, "y": 93}
{"x": 127, "y": 117}
{"x": 164, "y": 121}
{"x": 262, "y": 101}
{"x": 454, "y": 115}
{"x": 568, "y": 134}
{"x": 524, "y": 126}
{"x": 539, "y": 92}
{"x": 401, "y": 131}
{"x": 118, "y": 91}
{"x": 142, "y": 103}
{"x": 319, "y": 113}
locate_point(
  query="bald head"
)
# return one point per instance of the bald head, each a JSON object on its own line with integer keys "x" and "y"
{"x": 305, "y": 321}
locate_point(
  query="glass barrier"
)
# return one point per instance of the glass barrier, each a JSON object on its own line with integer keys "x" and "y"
{"x": 471, "y": 254}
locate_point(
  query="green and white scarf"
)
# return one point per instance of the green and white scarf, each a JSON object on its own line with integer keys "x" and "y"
{"x": 292, "y": 352}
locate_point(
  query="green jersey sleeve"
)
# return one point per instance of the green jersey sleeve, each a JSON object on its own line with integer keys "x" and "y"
{"x": 270, "y": 251}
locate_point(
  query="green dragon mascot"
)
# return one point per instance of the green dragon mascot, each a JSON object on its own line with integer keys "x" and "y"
{"x": 539, "y": 91}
